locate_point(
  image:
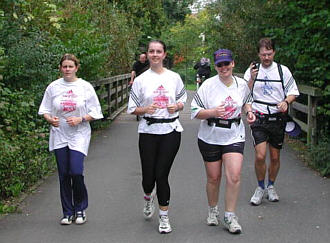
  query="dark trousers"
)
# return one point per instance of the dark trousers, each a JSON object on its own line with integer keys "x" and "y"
{"x": 70, "y": 165}
{"x": 157, "y": 153}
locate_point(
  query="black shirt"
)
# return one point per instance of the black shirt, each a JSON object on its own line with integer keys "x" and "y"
{"x": 203, "y": 69}
{"x": 140, "y": 67}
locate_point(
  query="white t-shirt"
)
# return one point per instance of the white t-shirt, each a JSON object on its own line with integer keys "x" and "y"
{"x": 64, "y": 99}
{"x": 270, "y": 91}
{"x": 164, "y": 89}
{"x": 210, "y": 95}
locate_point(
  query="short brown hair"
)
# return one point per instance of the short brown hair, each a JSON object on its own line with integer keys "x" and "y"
{"x": 268, "y": 43}
{"x": 71, "y": 57}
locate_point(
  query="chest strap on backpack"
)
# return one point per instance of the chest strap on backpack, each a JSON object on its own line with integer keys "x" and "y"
{"x": 280, "y": 71}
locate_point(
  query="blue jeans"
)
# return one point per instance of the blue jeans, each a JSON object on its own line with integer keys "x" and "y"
{"x": 70, "y": 165}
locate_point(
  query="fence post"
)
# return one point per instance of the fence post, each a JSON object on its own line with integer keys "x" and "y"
{"x": 108, "y": 87}
{"x": 312, "y": 129}
{"x": 116, "y": 102}
{"x": 122, "y": 91}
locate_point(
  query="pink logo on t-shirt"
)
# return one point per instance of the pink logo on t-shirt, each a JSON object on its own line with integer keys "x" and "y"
{"x": 230, "y": 107}
{"x": 161, "y": 99}
{"x": 68, "y": 103}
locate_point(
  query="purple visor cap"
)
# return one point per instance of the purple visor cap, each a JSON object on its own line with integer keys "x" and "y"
{"x": 292, "y": 128}
{"x": 222, "y": 55}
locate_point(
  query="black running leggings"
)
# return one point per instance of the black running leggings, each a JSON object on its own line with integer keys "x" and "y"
{"x": 157, "y": 153}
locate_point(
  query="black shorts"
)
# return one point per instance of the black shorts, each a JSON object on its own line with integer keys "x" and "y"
{"x": 270, "y": 131}
{"x": 212, "y": 152}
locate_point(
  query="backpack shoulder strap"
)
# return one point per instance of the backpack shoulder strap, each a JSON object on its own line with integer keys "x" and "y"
{"x": 280, "y": 71}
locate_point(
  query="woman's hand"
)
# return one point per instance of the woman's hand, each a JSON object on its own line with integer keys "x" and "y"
{"x": 73, "y": 120}
{"x": 250, "y": 117}
{"x": 220, "y": 110}
{"x": 172, "y": 108}
{"x": 52, "y": 120}
{"x": 151, "y": 109}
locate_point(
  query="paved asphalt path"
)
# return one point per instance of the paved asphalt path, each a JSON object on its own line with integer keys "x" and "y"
{"x": 113, "y": 178}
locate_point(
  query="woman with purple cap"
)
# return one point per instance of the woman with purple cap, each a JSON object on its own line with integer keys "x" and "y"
{"x": 218, "y": 104}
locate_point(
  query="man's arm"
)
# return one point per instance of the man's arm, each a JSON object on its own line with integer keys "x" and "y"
{"x": 132, "y": 77}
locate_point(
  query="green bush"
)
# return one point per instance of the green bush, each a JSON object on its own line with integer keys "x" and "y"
{"x": 31, "y": 62}
{"x": 24, "y": 156}
{"x": 320, "y": 156}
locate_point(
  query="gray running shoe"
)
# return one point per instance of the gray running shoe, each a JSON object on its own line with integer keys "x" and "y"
{"x": 149, "y": 208}
{"x": 257, "y": 196}
{"x": 231, "y": 223}
{"x": 164, "y": 225}
{"x": 80, "y": 217}
{"x": 271, "y": 194}
{"x": 66, "y": 220}
{"x": 212, "y": 218}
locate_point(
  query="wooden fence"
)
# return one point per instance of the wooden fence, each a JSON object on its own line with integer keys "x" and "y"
{"x": 310, "y": 109}
{"x": 113, "y": 93}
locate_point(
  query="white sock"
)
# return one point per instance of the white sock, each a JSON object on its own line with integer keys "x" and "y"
{"x": 163, "y": 213}
{"x": 214, "y": 207}
{"x": 229, "y": 214}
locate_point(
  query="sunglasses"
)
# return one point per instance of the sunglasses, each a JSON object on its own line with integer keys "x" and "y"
{"x": 222, "y": 64}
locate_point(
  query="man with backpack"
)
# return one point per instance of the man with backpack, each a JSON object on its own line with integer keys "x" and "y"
{"x": 273, "y": 88}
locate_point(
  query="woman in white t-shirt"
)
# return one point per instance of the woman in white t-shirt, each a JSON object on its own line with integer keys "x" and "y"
{"x": 157, "y": 95}
{"x": 221, "y": 136}
{"x": 69, "y": 103}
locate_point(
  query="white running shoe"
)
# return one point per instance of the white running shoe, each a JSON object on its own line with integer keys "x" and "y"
{"x": 271, "y": 194}
{"x": 66, "y": 220}
{"x": 80, "y": 217}
{"x": 149, "y": 208}
{"x": 231, "y": 223}
{"x": 212, "y": 218}
{"x": 164, "y": 225}
{"x": 257, "y": 196}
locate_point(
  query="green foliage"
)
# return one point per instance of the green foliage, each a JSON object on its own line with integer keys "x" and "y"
{"x": 320, "y": 156}
{"x": 303, "y": 39}
{"x": 32, "y": 61}
{"x": 147, "y": 17}
{"x": 24, "y": 157}
{"x": 176, "y": 10}
{"x": 238, "y": 25}
{"x": 186, "y": 45}
{"x": 7, "y": 208}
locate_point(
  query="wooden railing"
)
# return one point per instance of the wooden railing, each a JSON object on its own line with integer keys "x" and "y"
{"x": 113, "y": 93}
{"x": 310, "y": 109}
